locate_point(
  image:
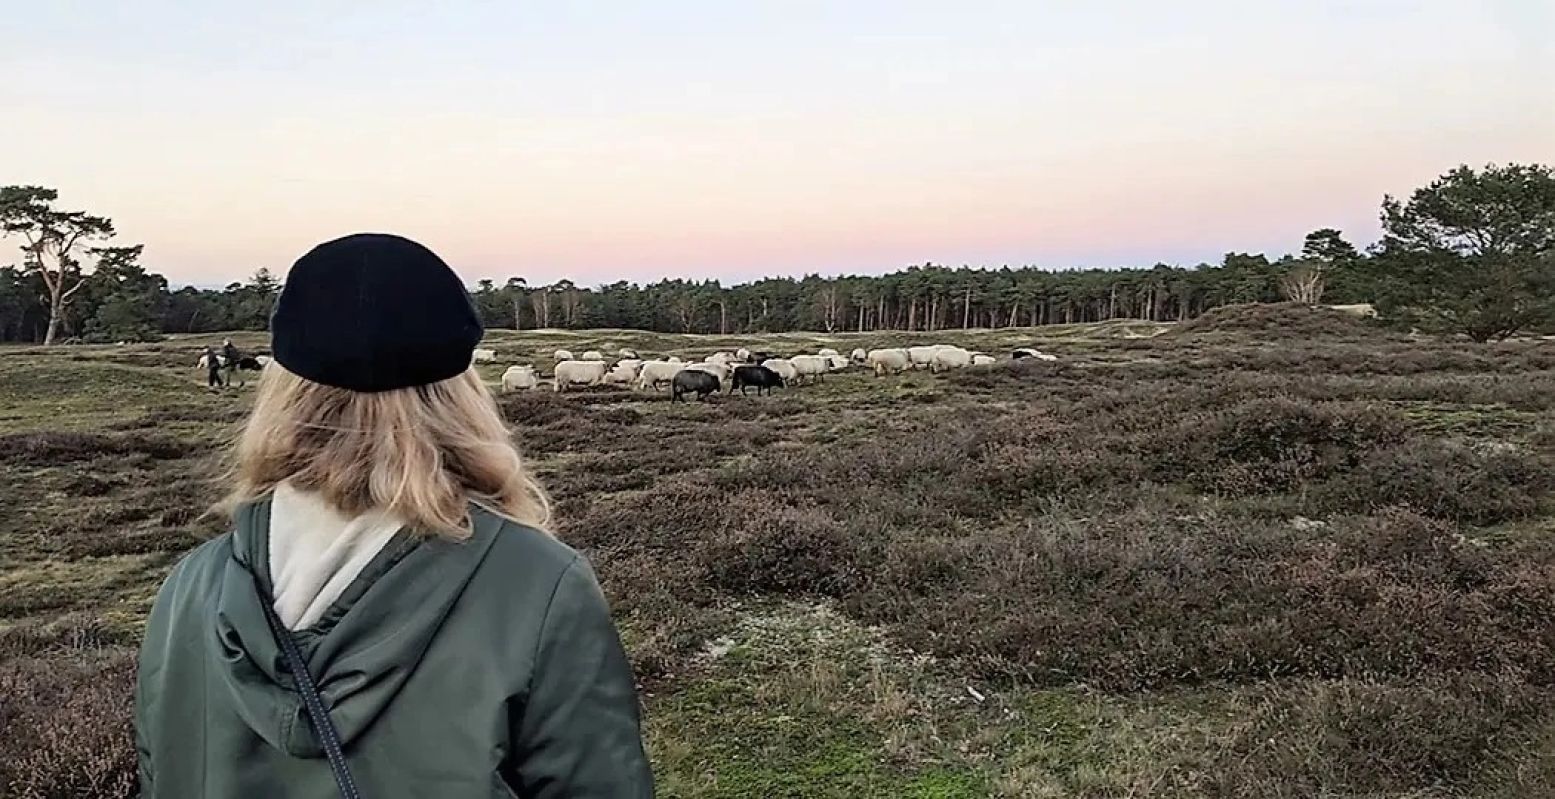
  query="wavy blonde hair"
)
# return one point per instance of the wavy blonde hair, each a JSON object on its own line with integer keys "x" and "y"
{"x": 422, "y": 453}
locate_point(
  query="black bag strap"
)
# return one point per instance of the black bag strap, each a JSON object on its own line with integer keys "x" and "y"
{"x": 329, "y": 738}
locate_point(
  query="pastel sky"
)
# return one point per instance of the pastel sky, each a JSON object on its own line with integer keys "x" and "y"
{"x": 601, "y": 141}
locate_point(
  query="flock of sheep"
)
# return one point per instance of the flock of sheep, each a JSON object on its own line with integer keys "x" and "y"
{"x": 741, "y": 369}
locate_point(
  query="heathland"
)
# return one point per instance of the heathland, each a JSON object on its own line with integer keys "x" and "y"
{"x": 1272, "y": 552}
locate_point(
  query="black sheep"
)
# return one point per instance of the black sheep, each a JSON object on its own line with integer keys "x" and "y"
{"x": 759, "y": 376}
{"x": 693, "y": 381}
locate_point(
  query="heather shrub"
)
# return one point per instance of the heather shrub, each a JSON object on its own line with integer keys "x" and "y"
{"x": 1141, "y": 600}
{"x": 1262, "y": 445}
{"x": 53, "y": 447}
{"x": 1445, "y": 480}
{"x": 65, "y": 725}
{"x": 779, "y": 549}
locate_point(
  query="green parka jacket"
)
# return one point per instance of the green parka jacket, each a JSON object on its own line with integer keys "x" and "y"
{"x": 487, "y": 667}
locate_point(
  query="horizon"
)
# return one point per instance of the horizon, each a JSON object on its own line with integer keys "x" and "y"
{"x": 698, "y": 141}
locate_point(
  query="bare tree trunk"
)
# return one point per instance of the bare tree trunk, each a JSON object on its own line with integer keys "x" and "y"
{"x": 56, "y": 314}
{"x": 966, "y": 308}
{"x": 912, "y": 314}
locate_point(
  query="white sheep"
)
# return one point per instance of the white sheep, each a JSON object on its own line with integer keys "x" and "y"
{"x": 827, "y": 352}
{"x": 585, "y": 373}
{"x": 742, "y": 355}
{"x": 858, "y": 356}
{"x": 979, "y": 359}
{"x": 922, "y": 357}
{"x": 810, "y": 367}
{"x": 720, "y": 370}
{"x": 624, "y": 373}
{"x": 651, "y": 374}
{"x": 784, "y": 367}
{"x": 625, "y": 353}
{"x": 483, "y": 356}
{"x": 593, "y": 355}
{"x": 725, "y": 358}
{"x": 674, "y": 359}
{"x": 947, "y": 358}
{"x": 562, "y": 355}
{"x": 519, "y": 377}
{"x": 836, "y": 363}
{"x": 888, "y": 361}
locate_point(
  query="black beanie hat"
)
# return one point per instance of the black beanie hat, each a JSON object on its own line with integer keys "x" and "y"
{"x": 373, "y": 312}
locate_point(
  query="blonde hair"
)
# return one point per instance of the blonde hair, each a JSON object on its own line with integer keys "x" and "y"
{"x": 422, "y": 453}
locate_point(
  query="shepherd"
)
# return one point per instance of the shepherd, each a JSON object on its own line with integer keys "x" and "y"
{"x": 212, "y": 363}
{"x": 230, "y": 357}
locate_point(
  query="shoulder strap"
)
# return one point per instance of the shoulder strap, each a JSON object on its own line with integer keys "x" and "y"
{"x": 329, "y": 738}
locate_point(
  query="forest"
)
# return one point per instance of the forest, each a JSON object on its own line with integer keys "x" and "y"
{"x": 1471, "y": 253}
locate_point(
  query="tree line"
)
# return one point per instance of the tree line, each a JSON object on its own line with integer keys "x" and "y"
{"x": 1473, "y": 253}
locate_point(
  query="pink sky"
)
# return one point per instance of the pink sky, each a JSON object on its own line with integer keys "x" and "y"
{"x": 700, "y": 141}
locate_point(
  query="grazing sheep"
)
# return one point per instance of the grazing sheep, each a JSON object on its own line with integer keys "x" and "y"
{"x": 836, "y": 363}
{"x": 810, "y": 367}
{"x": 483, "y": 356}
{"x": 979, "y": 359}
{"x": 519, "y": 377}
{"x": 263, "y": 360}
{"x": 628, "y": 354}
{"x": 922, "y": 357}
{"x": 759, "y": 376}
{"x": 674, "y": 359}
{"x": 725, "y": 358}
{"x": 760, "y": 357}
{"x": 783, "y": 367}
{"x": 858, "y": 356}
{"x": 718, "y": 370}
{"x": 828, "y": 352}
{"x": 947, "y": 358}
{"x": 693, "y": 381}
{"x": 888, "y": 361}
{"x": 562, "y": 355}
{"x": 593, "y": 355}
{"x": 624, "y": 373}
{"x": 1027, "y": 352}
{"x": 742, "y": 355}
{"x": 585, "y": 373}
{"x": 652, "y": 374}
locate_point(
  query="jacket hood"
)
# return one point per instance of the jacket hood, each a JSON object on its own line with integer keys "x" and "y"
{"x": 369, "y": 642}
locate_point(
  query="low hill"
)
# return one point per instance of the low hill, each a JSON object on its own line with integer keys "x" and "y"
{"x": 1280, "y": 320}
